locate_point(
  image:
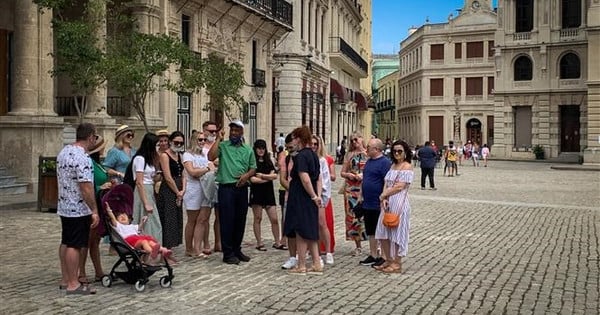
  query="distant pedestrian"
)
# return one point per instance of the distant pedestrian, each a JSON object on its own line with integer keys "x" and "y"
{"x": 280, "y": 143}
{"x": 427, "y": 157}
{"x": 475, "y": 154}
{"x": 77, "y": 206}
{"x": 236, "y": 165}
{"x": 451, "y": 155}
{"x": 485, "y": 154}
{"x": 394, "y": 199}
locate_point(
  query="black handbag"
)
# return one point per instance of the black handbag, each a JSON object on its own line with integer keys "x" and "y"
{"x": 358, "y": 210}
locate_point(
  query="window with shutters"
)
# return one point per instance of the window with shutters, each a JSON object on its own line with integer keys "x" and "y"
{"x": 474, "y": 86}
{"x": 457, "y": 86}
{"x": 475, "y": 50}
{"x": 458, "y": 51}
{"x": 437, "y": 52}
{"x": 436, "y": 87}
{"x": 490, "y": 49}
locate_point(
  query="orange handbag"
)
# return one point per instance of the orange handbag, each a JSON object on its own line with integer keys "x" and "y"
{"x": 391, "y": 219}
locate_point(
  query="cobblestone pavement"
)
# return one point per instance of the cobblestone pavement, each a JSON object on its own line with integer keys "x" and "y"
{"x": 512, "y": 238}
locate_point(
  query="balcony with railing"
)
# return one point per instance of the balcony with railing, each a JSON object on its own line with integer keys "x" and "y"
{"x": 342, "y": 52}
{"x": 277, "y": 11}
{"x": 115, "y": 106}
{"x": 522, "y": 36}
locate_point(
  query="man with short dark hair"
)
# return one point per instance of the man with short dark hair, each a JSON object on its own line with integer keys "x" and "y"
{"x": 373, "y": 181}
{"x": 76, "y": 206}
{"x": 427, "y": 159}
{"x": 236, "y": 165}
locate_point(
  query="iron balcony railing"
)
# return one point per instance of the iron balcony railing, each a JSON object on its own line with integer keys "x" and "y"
{"x": 339, "y": 44}
{"x": 279, "y": 10}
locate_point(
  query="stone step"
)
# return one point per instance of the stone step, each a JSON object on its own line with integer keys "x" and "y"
{"x": 13, "y": 189}
{"x": 7, "y": 179}
{"x": 3, "y": 170}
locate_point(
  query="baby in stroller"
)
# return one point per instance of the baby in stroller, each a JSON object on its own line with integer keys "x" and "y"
{"x": 131, "y": 234}
{"x": 140, "y": 254}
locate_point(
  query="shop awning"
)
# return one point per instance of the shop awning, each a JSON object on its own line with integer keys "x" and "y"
{"x": 338, "y": 90}
{"x": 361, "y": 101}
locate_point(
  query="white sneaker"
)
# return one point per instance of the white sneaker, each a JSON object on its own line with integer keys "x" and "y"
{"x": 329, "y": 258}
{"x": 290, "y": 263}
{"x": 321, "y": 261}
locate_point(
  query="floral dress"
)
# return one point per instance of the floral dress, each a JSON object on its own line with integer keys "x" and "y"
{"x": 355, "y": 227}
{"x": 398, "y": 203}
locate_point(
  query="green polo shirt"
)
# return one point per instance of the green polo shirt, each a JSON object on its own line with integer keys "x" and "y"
{"x": 234, "y": 161}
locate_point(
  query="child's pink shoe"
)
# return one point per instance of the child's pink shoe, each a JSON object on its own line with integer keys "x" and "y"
{"x": 154, "y": 252}
{"x": 166, "y": 253}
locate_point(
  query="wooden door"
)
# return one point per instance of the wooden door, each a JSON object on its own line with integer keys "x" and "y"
{"x": 569, "y": 128}
{"x": 436, "y": 129}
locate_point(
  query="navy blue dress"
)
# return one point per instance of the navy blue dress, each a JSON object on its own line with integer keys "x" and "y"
{"x": 302, "y": 214}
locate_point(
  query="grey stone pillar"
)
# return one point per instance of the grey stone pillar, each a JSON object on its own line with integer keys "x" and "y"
{"x": 33, "y": 86}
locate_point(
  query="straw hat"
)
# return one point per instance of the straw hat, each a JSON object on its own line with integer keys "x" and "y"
{"x": 162, "y": 133}
{"x": 99, "y": 146}
{"x": 121, "y": 130}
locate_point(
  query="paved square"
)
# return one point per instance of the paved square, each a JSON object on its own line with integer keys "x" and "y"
{"x": 515, "y": 237}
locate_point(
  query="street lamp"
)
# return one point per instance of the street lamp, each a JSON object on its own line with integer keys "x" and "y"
{"x": 456, "y": 118}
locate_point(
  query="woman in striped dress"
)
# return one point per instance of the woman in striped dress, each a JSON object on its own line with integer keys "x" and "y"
{"x": 394, "y": 198}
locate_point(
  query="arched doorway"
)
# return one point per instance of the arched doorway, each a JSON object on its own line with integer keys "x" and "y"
{"x": 474, "y": 130}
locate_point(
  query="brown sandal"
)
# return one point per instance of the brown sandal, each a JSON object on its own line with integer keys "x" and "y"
{"x": 391, "y": 269}
{"x": 382, "y": 266}
{"x": 297, "y": 271}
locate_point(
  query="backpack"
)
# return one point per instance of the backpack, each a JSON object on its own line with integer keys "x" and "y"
{"x": 128, "y": 178}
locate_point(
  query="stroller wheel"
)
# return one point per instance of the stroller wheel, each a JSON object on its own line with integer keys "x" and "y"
{"x": 106, "y": 281}
{"x": 165, "y": 282}
{"x": 140, "y": 286}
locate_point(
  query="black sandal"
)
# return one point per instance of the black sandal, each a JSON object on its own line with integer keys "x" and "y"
{"x": 280, "y": 247}
{"x": 261, "y": 248}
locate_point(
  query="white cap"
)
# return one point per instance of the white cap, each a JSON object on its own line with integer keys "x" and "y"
{"x": 237, "y": 123}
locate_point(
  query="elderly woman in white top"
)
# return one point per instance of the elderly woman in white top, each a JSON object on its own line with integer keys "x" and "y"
{"x": 197, "y": 205}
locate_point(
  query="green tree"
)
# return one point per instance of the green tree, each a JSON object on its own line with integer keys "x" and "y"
{"x": 77, "y": 51}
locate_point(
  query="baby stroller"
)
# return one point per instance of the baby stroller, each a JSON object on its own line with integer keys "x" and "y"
{"x": 136, "y": 271}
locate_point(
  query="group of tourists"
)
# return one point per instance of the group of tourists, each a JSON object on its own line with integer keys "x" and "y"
{"x": 230, "y": 176}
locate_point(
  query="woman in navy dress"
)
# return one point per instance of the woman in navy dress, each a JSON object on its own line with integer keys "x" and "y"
{"x": 302, "y": 215}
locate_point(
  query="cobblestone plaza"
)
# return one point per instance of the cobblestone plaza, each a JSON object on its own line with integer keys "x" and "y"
{"x": 514, "y": 237}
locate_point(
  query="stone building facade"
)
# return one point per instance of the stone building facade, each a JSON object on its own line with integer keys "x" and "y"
{"x": 446, "y": 79}
{"x": 548, "y": 74}
{"x": 383, "y": 66}
{"x": 385, "y": 108}
{"x": 33, "y": 110}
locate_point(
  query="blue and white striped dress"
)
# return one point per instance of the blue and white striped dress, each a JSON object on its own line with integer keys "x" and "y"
{"x": 398, "y": 204}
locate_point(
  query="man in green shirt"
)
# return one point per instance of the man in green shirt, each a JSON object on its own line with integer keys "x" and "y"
{"x": 236, "y": 165}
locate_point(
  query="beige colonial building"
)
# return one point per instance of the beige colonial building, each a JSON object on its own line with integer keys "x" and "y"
{"x": 35, "y": 108}
{"x": 548, "y": 79}
{"x": 348, "y": 53}
{"x": 446, "y": 79}
{"x": 385, "y": 108}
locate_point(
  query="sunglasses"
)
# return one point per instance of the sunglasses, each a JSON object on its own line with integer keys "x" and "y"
{"x": 177, "y": 143}
{"x": 397, "y": 151}
{"x": 96, "y": 137}
{"x": 201, "y": 139}
{"x": 212, "y": 130}
{"x": 315, "y": 144}
{"x": 355, "y": 139}
{"x": 129, "y": 135}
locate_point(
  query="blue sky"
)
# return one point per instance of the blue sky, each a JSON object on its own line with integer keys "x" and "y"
{"x": 392, "y": 18}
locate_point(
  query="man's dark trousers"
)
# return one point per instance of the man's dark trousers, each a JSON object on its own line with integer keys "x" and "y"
{"x": 427, "y": 172}
{"x": 233, "y": 209}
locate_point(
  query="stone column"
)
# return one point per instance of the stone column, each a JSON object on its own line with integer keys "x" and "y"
{"x": 97, "y": 100}
{"x": 591, "y": 152}
{"x": 33, "y": 86}
{"x": 305, "y": 22}
{"x": 319, "y": 29}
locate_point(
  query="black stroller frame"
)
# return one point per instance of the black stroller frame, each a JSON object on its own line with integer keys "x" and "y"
{"x": 137, "y": 271}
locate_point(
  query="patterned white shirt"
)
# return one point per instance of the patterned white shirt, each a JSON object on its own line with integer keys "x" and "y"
{"x": 73, "y": 166}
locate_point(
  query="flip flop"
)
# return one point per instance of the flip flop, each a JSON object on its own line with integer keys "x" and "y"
{"x": 280, "y": 247}
{"x": 82, "y": 290}
{"x": 261, "y": 248}
{"x": 85, "y": 280}
{"x": 207, "y": 252}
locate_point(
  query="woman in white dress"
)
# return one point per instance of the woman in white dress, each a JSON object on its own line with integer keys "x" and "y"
{"x": 394, "y": 198}
{"x": 196, "y": 165}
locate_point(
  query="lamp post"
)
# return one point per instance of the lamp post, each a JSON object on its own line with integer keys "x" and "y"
{"x": 456, "y": 118}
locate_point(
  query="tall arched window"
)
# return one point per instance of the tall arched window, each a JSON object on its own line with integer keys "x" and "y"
{"x": 570, "y": 67}
{"x": 523, "y": 69}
